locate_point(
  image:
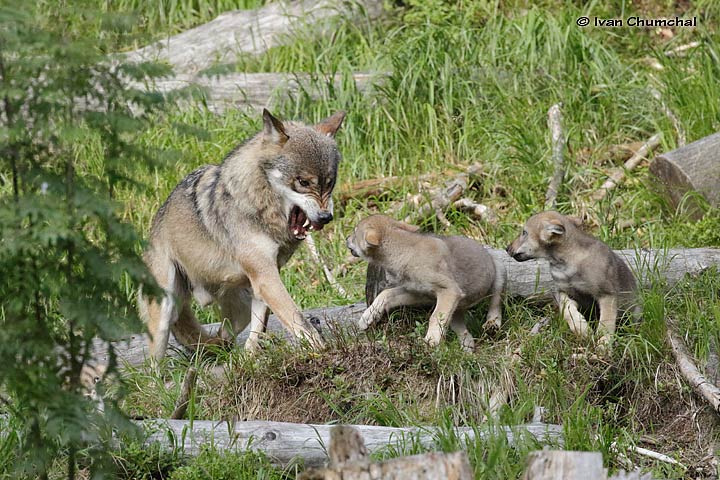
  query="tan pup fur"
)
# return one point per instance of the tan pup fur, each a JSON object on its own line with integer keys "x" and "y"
{"x": 226, "y": 230}
{"x": 453, "y": 273}
{"x": 583, "y": 268}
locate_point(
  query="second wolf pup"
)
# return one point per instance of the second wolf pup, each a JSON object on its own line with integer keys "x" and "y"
{"x": 454, "y": 273}
{"x": 583, "y": 268}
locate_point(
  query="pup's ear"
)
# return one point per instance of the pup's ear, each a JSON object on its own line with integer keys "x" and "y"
{"x": 273, "y": 129}
{"x": 331, "y": 125}
{"x": 372, "y": 237}
{"x": 405, "y": 226}
{"x": 577, "y": 221}
{"x": 554, "y": 227}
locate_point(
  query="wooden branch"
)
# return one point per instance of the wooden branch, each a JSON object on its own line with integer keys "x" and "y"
{"x": 247, "y": 32}
{"x": 682, "y": 49}
{"x": 185, "y": 392}
{"x": 285, "y": 443}
{"x": 527, "y": 279}
{"x": 477, "y": 210}
{"x": 558, "y": 160}
{"x": 692, "y": 168}
{"x": 348, "y": 461}
{"x": 618, "y": 175}
{"x": 671, "y": 115}
{"x": 310, "y": 241}
{"x": 689, "y": 371}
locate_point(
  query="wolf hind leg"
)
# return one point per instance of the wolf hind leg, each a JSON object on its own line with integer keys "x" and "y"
{"x": 457, "y": 323}
{"x": 161, "y": 315}
{"x": 235, "y": 308}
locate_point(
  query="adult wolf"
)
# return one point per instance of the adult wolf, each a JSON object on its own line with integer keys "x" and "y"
{"x": 224, "y": 232}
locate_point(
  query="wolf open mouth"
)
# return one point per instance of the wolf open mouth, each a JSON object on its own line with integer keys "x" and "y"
{"x": 299, "y": 223}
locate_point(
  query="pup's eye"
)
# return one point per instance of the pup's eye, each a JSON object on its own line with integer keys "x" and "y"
{"x": 303, "y": 183}
{"x": 524, "y": 234}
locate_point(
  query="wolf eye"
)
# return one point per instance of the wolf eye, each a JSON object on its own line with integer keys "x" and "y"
{"x": 524, "y": 233}
{"x": 303, "y": 183}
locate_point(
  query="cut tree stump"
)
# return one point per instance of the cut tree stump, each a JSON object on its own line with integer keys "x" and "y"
{"x": 692, "y": 168}
{"x": 246, "y": 32}
{"x": 529, "y": 279}
{"x": 348, "y": 461}
{"x": 286, "y": 443}
{"x": 570, "y": 465}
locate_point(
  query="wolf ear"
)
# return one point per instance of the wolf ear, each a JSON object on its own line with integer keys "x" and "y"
{"x": 372, "y": 237}
{"x": 555, "y": 227}
{"x": 273, "y": 129}
{"x": 331, "y": 125}
{"x": 577, "y": 221}
{"x": 405, "y": 226}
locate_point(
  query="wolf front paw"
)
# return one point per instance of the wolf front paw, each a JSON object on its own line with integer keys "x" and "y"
{"x": 493, "y": 323}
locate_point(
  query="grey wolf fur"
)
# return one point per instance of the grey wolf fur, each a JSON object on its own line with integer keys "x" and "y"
{"x": 225, "y": 231}
{"x": 583, "y": 268}
{"x": 454, "y": 273}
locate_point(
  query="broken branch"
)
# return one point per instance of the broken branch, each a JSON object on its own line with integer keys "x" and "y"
{"x": 558, "y": 145}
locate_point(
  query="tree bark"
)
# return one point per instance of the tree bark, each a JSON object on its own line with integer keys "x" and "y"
{"x": 246, "y": 32}
{"x": 285, "y": 443}
{"x": 692, "y": 168}
{"x": 569, "y": 465}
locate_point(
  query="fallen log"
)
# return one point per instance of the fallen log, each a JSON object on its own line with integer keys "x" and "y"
{"x": 529, "y": 279}
{"x": 692, "y": 168}
{"x": 348, "y": 461}
{"x": 285, "y": 443}
{"x": 246, "y": 32}
{"x": 254, "y": 90}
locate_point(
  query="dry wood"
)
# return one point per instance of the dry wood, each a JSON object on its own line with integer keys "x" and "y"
{"x": 682, "y": 49}
{"x": 692, "y": 168}
{"x": 253, "y": 90}
{"x": 310, "y": 241}
{"x": 690, "y": 371}
{"x": 558, "y": 160}
{"x": 618, "y": 175}
{"x": 527, "y": 279}
{"x": 477, "y": 210}
{"x": 185, "y": 392}
{"x": 285, "y": 443}
{"x": 671, "y": 115}
{"x": 247, "y": 32}
{"x": 570, "y": 465}
{"x": 378, "y": 186}
{"x": 348, "y": 461}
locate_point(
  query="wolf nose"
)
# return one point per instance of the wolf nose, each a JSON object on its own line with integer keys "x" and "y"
{"x": 325, "y": 217}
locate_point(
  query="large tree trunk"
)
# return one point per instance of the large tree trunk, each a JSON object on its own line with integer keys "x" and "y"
{"x": 692, "y": 168}
{"x": 246, "y": 31}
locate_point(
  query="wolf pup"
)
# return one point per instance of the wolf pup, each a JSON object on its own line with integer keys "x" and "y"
{"x": 226, "y": 230}
{"x": 454, "y": 273}
{"x": 583, "y": 268}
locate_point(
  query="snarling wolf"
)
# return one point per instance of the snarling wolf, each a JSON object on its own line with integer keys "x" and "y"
{"x": 225, "y": 231}
{"x": 584, "y": 269}
{"x": 453, "y": 273}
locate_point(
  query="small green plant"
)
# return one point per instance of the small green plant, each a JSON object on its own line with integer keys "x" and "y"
{"x": 211, "y": 463}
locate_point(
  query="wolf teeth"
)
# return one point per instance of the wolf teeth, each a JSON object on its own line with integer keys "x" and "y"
{"x": 311, "y": 228}
{"x": 307, "y": 223}
{"x": 296, "y": 231}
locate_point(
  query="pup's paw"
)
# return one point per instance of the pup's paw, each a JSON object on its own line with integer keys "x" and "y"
{"x": 604, "y": 345}
{"x": 493, "y": 323}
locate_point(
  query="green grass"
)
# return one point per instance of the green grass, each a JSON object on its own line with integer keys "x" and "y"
{"x": 467, "y": 85}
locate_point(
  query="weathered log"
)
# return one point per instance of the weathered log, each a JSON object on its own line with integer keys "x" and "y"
{"x": 692, "y": 168}
{"x": 246, "y": 31}
{"x": 570, "y": 465}
{"x": 529, "y": 279}
{"x": 254, "y": 90}
{"x": 285, "y": 443}
{"x": 348, "y": 461}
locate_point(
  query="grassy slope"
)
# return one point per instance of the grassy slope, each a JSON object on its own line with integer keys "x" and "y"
{"x": 474, "y": 84}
